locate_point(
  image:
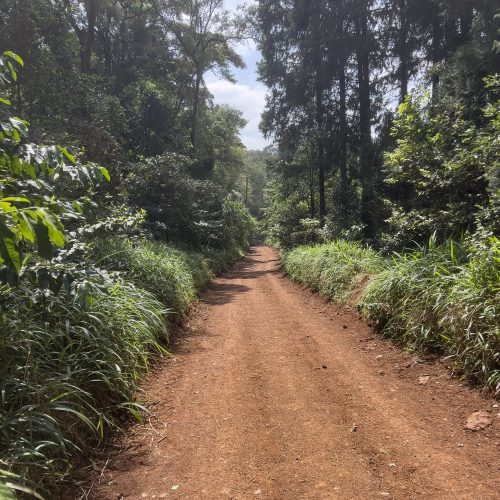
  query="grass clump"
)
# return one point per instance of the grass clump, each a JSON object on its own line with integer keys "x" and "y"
{"x": 334, "y": 269}
{"x": 443, "y": 298}
{"x": 171, "y": 275}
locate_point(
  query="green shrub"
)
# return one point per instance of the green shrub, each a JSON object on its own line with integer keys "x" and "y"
{"x": 172, "y": 275}
{"x": 334, "y": 269}
{"x": 447, "y": 299}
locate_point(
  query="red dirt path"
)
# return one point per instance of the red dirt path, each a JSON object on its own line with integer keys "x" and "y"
{"x": 274, "y": 393}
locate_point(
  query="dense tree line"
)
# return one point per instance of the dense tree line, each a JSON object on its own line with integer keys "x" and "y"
{"x": 336, "y": 72}
{"x": 121, "y": 79}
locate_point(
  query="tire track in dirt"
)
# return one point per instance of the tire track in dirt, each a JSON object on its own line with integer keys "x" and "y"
{"x": 274, "y": 393}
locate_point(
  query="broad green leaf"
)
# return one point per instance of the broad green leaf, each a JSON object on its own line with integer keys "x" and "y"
{"x": 67, "y": 154}
{"x": 14, "y": 56}
{"x": 105, "y": 173}
{"x": 8, "y": 249}
{"x": 55, "y": 234}
{"x": 6, "y": 207}
{"x": 16, "y": 199}
{"x": 26, "y": 228}
{"x": 44, "y": 245}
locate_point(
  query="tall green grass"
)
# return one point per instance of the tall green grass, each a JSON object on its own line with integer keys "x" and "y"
{"x": 67, "y": 374}
{"x": 163, "y": 270}
{"x": 446, "y": 299}
{"x": 334, "y": 269}
{"x": 174, "y": 276}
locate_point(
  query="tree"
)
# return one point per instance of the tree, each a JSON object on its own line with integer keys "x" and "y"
{"x": 205, "y": 34}
{"x": 82, "y": 15}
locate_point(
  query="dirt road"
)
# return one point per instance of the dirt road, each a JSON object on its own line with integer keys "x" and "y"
{"x": 273, "y": 393}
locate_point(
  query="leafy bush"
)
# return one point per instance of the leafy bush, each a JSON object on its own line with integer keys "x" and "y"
{"x": 31, "y": 213}
{"x": 67, "y": 373}
{"x": 183, "y": 209}
{"x": 283, "y": 220}
{"x": 334, "y": 269}
{"x": 443, "y": 170}
{"x": 444, "y": 298}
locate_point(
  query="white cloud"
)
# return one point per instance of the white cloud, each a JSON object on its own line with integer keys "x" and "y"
{"x": 249, "y": 100}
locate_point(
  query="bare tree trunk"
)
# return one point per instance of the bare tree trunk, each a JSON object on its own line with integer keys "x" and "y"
{"x": 342, "y": 61}
{"x": 365, "y": 156}
{"x": 321, "y": 179}
{"x": 403, "y": 49}
{"x": 196, "y": 104}
{"x": 466, "y": 22}
{"x": 311, "y": 194}
{"x": 87, "y": 41}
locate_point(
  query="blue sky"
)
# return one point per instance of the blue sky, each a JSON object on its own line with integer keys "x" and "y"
{"x": 247, "y": 95}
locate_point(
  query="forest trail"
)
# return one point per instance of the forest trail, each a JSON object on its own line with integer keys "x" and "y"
{"x": 274, "y": 393}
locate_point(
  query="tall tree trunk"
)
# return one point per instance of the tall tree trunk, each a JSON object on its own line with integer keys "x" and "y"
{"x": 320, "y": 109}
{"x": 365, "y": 153}
{"x": 342, "y": 63}
{"x": 342, "y": 122}
{"x": 343, "y": 191}
{"x": 89, "y": 38}
{"x": 196, "y": 105}
{"x": 403, "y": 49}
{"x": 321, "y": 179}
{"x": 466, "y": 22}
{"x": 312, "y": 189}
{"x": 108, "y": 44}
{"x": 437, "y": 50}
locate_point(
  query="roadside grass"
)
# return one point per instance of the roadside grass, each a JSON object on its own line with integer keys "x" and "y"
{"x": 444, "y": 299}
{"x": 334, "y": 269}
{"x": 439, "y": 298}
{"x": 174, "y": 276}
{"x": 161, "y": 269}
{"x": 68, "y": 375}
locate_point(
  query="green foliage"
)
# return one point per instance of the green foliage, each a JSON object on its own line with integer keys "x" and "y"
{"x": 254, "y": 180}
{"x": 223, "y": 152}
{"x": 183, "y": 209}
{"x": 237, "y": 226}
{"x": 150, "y": 105}
{"x": 444, "y": 298}
{"x": 438, "y": 171}
{"x": 31, "y": 214}
{"x": 286, "y": 213}
{"x": 121, "y": 79}
{"x": 336, "y": 269}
